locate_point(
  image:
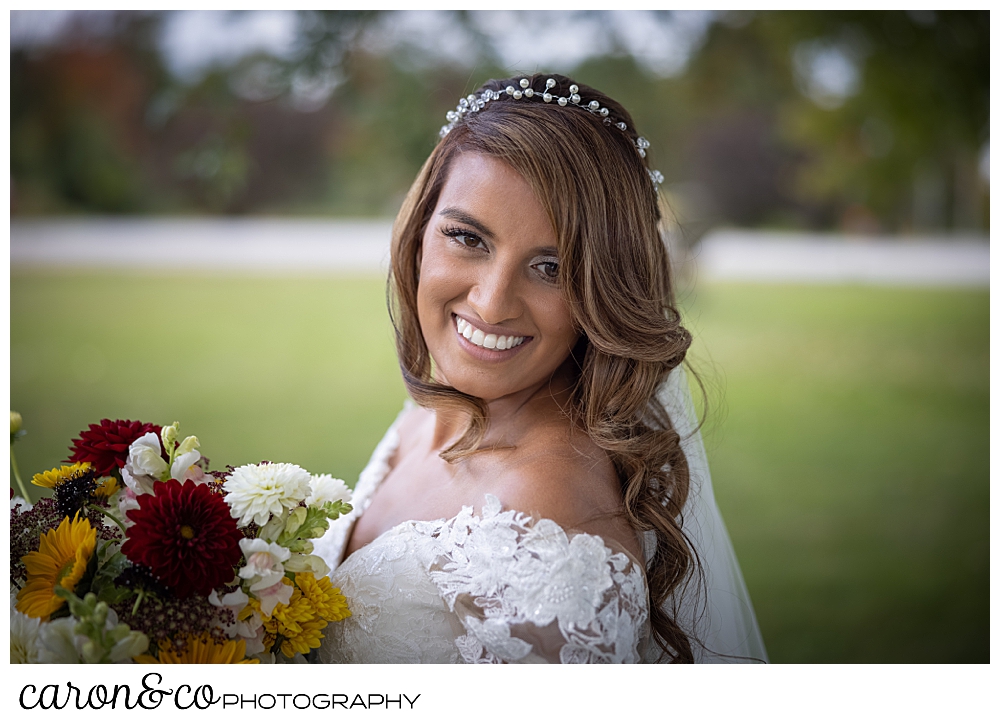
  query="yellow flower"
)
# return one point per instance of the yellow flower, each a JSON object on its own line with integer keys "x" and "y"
{"x": 289, "y": 619}
{"x": 55, "y": 476}
{"x": 298, "y": 627}
{"x": 309, "y": 636}
{"x": 200, "y": 650}
{"x": 326, "y": 599}
{"x": 61, "y": 559}
{"x": 108, "y": 486}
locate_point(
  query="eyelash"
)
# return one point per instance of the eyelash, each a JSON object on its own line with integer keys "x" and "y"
{"x": 551, "y": 279}
{"x": 456, "y": 234}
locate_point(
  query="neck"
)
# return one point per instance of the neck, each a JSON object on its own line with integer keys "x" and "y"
{"x": 510, "y": 416}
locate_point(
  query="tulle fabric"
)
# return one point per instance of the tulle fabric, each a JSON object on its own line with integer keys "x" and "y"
{"x": 719, "y": 614}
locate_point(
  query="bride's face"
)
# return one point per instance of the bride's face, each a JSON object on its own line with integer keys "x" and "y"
{"x": 492, "y": 315}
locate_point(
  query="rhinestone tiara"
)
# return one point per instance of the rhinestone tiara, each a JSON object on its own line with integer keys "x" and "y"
{"x": 471, "y": 104}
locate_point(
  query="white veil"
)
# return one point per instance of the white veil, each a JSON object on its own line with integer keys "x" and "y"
{"x": 719, "y": 614}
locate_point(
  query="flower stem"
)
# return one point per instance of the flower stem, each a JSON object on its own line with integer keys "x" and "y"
{"x": 138, "y": 600}
{"x": 102, "y": 511}
{"x": 17, "y": 475}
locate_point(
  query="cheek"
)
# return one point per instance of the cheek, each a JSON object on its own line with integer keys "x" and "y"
{"x": 560, "y": 327}
{"x": 438, "y": 285}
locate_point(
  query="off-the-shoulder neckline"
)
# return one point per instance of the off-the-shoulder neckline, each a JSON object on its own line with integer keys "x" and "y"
{"x": 379, "y": 462}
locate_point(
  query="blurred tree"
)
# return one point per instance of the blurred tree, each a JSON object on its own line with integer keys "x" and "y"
{"x": 858, "y": 120}
{"x": 903, "y": 138}
{"x": 76, "y": 120}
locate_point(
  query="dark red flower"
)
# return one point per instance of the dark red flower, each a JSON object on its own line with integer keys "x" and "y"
{"x": 105, "y": 446}
{"x": 186, "y": 535}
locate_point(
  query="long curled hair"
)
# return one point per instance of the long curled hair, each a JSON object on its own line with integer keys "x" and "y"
{"x": 615, "y": 274}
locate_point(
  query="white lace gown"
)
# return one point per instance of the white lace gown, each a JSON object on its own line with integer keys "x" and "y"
{"x": 502, "y": 587}
{"x": 497, "y": 587}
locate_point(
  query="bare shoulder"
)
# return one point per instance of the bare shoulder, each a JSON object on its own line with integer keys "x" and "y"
{"x": 562, "y": 475}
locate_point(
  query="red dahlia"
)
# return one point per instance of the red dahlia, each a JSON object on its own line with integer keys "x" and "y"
{"x": 105, "y": 446}
{"x": 186, "y": 535}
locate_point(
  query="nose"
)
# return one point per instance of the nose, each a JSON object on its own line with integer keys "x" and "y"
{"x": 495, "y": 294}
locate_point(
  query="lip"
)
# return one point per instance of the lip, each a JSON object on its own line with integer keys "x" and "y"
{"x": 488, "y": 355}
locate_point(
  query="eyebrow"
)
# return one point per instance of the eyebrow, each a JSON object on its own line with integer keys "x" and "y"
{"x": 462, "y": 217}
{"x": 456, "y": 214}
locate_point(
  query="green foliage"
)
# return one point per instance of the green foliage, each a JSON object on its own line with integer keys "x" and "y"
{"x": 309, "y": 522}
{"x": 740, "y": 134}
{"x": 105, "y": 644}
{"x": 111, "y": 566}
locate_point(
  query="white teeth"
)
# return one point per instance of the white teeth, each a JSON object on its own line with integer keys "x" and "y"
{"x": 481, "y": 339}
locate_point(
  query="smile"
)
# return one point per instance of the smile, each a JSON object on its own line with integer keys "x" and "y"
{"x": 487, "y": 341}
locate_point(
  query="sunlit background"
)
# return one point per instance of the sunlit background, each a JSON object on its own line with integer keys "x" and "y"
{"x": 200, "y": 205}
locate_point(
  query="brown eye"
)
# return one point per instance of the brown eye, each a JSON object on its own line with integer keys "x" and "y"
{"x": 548, "y": 269}
{"x": 460, "y": 236}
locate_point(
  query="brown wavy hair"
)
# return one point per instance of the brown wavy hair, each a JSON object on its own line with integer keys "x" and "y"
{"x": 615, "y": 274}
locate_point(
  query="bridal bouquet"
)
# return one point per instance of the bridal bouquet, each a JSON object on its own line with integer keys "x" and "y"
{"x": 143, "y": 554}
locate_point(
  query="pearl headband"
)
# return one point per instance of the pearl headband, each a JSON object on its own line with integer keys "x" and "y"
{"x": 471, "y": 104}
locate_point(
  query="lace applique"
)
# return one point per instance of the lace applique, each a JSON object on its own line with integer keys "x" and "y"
{"x": 529, "y": 591}
{"x": 496, "y": 588}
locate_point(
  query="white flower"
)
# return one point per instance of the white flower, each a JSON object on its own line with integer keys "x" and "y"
{"x": 189, "y": 443}
{"x": 18, "y": 500}
{"x": 136, "y": 482}
{"x": 127, "y": 501}
{"x": 186, "y": 468}
{"x": 251, "y": 629}
{"x": 256, "y": 492}
{"x": 235, "y": 602}
{"x": 327, "y": 489}
{"x": 263, "y": 559}
{"x": 314, "y": 564}
{"x": 23, "y": 638}
{"x": 255, "y": 636}
{"x": 144, "y": 456}
{"x": 130, "y": 646}
{"x": 58, "y": 643}
{"x": 272, "y": 596}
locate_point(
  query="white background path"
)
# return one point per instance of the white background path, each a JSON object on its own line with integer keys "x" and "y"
{"x": 322, "y": 246}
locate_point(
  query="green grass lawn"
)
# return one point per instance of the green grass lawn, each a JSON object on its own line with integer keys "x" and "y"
{"x": 848, "y": 426}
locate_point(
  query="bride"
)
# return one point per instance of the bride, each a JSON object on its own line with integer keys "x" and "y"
{"x": 547, "y": 497}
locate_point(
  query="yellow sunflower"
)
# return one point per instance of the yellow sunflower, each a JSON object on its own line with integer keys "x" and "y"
{"x": 108, "y": 486}
{"x": 200, "y": 650}
{"x": 55, "y": 476}
{"x": 326, "y": 599}
{"x": 61, "y": 559}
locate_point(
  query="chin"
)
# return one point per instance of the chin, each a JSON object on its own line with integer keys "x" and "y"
{"x": 478, "y": 385}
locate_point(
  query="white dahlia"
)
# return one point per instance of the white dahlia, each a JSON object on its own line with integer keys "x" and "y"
{"x": 328, "y": 489}
{"x": 23, "y": 638}
{"x": 256, "y": 492}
